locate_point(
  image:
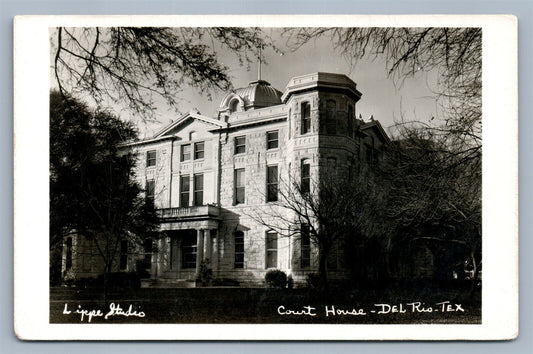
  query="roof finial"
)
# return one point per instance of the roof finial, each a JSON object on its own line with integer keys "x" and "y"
{"x": 259, "y": 66}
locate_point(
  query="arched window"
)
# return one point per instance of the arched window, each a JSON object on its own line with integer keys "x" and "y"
{"x": 331, "y": 117}
{"x": 234, "y": 105}
{"x": 192, "y": 135}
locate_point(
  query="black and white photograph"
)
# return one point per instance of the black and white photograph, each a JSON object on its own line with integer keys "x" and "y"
{"x": 272, "y": 173}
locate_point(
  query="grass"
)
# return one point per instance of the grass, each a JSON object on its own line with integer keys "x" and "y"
{"x": 245, "y": 305}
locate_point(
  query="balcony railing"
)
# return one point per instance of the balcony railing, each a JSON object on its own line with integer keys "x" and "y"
{"x": 189, "y": 212}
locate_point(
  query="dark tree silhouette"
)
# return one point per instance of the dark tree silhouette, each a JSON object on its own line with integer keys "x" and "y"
{"x": 93, "y": 192}
{"x": 133, "y": 65}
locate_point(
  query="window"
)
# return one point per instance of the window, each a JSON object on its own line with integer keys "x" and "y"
{"x": 185, "y": 185}
{"x": 199, "y": 189}
{"x": 290, "y": 122}
{"x": 234, "y": 105}
{"x": 150, "y": 191}
{"x": 189, "y": 250}
{"x": 239, "y": 249}
{"x": 350, "y": 120}
{"x": 306, "y": 176}
{"x": 68, "y": 260}
{"x": 199, "y": 150}
{"x": 185, "y": 152}
{"x": 239, "y": 186}
{"x": 272, "y": 140}
{"x": 240, "y": 145}
{"x": 192, "y": 135}
{"x": 151, "y": 158}
{"x": 271, "y": 249}
{"x": 272, "y": 183}
{"x": 123, "y": 254}
{"x": 331, "y": 117}
{"x": 148, "y": 249}
{"x": 306, "y": 117}
{"x": 305, "y": 246}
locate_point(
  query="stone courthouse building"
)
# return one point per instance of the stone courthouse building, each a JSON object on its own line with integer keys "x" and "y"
{"x": 209, "y": 176}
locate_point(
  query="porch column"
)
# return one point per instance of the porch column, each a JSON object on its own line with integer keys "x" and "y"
{"x": 208, "y": 245}
{"x": 199, "y": 250}
{"x": 214, "y": 256}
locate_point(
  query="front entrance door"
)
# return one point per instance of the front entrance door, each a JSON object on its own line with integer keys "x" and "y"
{"x": 183, "y": 252}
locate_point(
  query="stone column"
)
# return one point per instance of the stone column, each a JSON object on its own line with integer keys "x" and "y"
{"x": 199, "y": 250}
{"x": 214, "y": 256}
{"x": 208, "y": 245}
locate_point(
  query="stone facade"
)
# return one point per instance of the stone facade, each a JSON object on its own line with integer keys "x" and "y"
{"x": 209, "y": 176}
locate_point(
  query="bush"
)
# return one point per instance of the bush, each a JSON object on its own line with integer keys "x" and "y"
{"x": 276, "y": 278}
{"x": 313, "y": 281}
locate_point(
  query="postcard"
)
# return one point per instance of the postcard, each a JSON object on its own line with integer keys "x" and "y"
{"x": 266, "y": 177}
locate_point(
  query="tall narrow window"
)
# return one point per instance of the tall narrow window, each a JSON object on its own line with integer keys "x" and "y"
{"x": 290, "y": 122}
{"x": 239, "y": 186}
{"x": 240, "y": 145}
{"x": 68, "y": 260}
{"x": 199, "y": 150}
{"x": 306, "y": 176}
{"x": 148, "y": 249}
{"x": 272, "y": 140}
{"x": 189, "y": 251}
{"x": 272, "y": 183}
{"x": 350, "y": 120}
{"x": 185, "y": 185}
{"x": 331, "y": 117}
{"x": 199, "y": 189}
{"x": 186, "y": 152}
{"x": 305, "y": 246}
{"x": 239, "y": 249}
{"x": 271, "y": 249}
{"x": 150, "y": 191}
{"x": 151, "y": 158}
{"x": 123, "y": 255}
{"x": 306, "y": 117}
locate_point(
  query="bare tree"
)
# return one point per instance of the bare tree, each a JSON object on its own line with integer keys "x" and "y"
{"x": 326, "y": 211}
{"x": 134, "y": 65}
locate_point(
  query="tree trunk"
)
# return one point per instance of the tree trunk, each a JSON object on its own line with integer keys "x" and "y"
{"x": 322, "y": 270}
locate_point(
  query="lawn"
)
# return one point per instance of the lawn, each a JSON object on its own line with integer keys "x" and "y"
{"x": 245, "y": 305}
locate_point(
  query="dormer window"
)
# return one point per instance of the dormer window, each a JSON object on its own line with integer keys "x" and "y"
{"x": 234, "y": 105}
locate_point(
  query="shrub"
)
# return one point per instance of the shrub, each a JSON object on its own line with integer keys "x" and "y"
{"x": 276, "y": 278}
{"x": 313, "y": 281}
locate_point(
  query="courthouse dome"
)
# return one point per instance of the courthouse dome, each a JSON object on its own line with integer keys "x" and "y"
{"x": 257, "y": 94}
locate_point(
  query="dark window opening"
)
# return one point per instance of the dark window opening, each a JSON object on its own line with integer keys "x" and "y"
{"x": 239, "y": 249}
{"x": 239, "y": 186}
{"x": 240, "y": 145}
{"x": 306, "y": 117}
{"x": 150, "y": 191}
{"x": 185, "y": 185}
{"x": 331, "y": 117}
{"x": 185, "y": 152}
{"x": 189, "y": 250}
{"x": 306, "y": 177}
{"x": 199, "y": 151}
{"x": 271, "y": 249}
{"x": 151, "y": 158}
{"x": 199, "y": 189}
{"x": 272, "y": 183}
{"x": 305, "y": 246}
{"x": 272, "y": 140}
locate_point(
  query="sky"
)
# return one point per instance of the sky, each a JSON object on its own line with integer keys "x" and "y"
{"x": 382, "y": 98}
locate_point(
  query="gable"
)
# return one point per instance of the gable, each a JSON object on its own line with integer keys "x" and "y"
{"x": 189, "y": 123}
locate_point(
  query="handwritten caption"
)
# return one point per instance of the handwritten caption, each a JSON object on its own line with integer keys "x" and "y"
{"x": 378, "y": 309}
{"x": 114, "y": 310}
